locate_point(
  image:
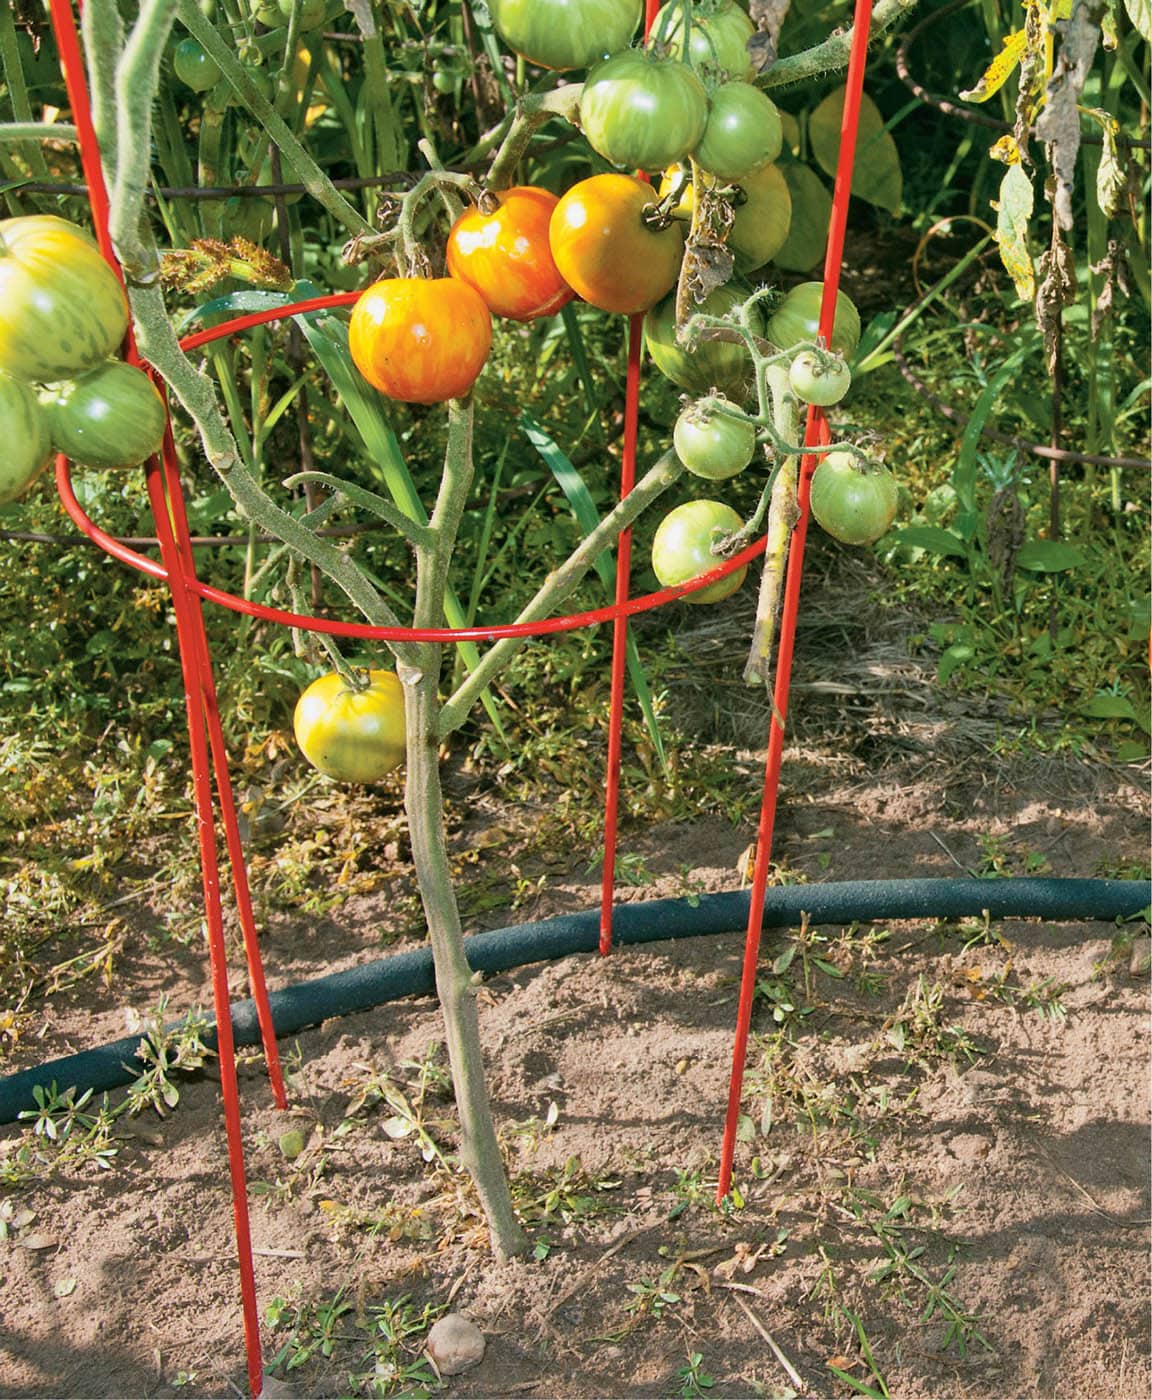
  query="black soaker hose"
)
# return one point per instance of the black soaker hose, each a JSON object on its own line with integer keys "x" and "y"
{"x": 410, "y": 974}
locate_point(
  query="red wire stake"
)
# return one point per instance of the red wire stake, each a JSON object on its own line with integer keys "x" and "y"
{"x": 816, "y": 431}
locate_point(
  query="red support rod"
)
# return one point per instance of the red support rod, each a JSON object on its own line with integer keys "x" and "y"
{"x": 816, "y": 431}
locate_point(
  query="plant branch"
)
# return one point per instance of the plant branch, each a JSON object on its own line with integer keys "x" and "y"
{"x": 416, "y": 534}
{"x": 532, "y": 112}
{"x": 833, "y": 53}
{"x": 560, "y": 584}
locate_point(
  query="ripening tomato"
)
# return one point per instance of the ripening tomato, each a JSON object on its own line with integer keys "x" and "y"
{"x": 565, "y": 34}
{"x": 113, "y": 416}
{"x": 822, "y": 380}
{"x": 62, "y": 308}
{"x": 713, "y": 445}
{"x": 504, "y": 254}
{"x": 797, "y": 319}
{"x": 763, "y": 213}
{"x": 24, "y": 432}
{"x": 606, "y": 251}
{"x": 682, "y": 548}
{"x": 719, "y": 37}
{"x": 420, "y": 339}
{"x": 642, "y": 112}
{"x": 350, "y": 734}
{"x": 854, "y": 501}
{"x": 743, "y": 132}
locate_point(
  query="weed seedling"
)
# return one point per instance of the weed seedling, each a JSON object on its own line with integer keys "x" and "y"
{"x": 694, "y": 1380}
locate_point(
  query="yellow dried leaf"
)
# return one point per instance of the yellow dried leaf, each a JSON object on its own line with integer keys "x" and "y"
{"x": 1000, "y": 69}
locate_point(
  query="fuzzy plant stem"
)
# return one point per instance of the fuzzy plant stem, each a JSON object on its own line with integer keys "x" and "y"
{"x": 782, "y": 517}
{"x": 424, "y": 802}
{"x": 531, "y": 114}
{"x": 559, "y": 585}
{"x": 833, "y": 53}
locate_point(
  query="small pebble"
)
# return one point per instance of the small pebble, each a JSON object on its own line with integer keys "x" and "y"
{"x": 455, "y": 1344}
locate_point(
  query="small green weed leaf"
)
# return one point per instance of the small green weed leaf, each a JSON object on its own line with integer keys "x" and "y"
{"x": 957, "y": 655}
{"x": 745, "y": 1129}
{"x": 932, "y": 538}
{"x": 1048, "y": 557}
{"x": 1109, "y": 707}
{"x": 877, "y": 176}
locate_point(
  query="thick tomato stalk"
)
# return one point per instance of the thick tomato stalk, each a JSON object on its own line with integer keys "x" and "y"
{"x": 503, "y": 253}
{"x": 352, "y": 735}
{"x": 606, "y": 251}
{"x": 420, "y": 340}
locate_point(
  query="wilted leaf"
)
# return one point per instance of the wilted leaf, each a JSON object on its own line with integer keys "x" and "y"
{"x": 64, "y": 1287}
{"x": 1013, "y": 210}
{"x": 1057, "y": 290}
{"x": 768, "y": 16}
{"x": 999, "y": 70}
{"x": 397, "y": 1127}
{"x": 1111, "y": 180}
{"x": 1059, "y": 123}
{"x": 876, "y": 175}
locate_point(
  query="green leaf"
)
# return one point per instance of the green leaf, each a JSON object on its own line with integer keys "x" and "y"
{"x": 1140, "y": 13}
{"x": 1048, "y": 557}
{"x": 958, "y": 654}
{"x": 1116, "y": 707}
{"x": 932, "y": 538}
{"x": 1013, "y": 210}
{"x": 811, "y": 210}
{"x": 588, "y": 517}
{"x": 876, "y": 174}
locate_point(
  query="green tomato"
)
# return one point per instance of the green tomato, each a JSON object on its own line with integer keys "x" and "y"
{"x": 24, "y": 431}
{"x": 194, "y": 66}
{"x": 641, "y": 112}
{"x": 62, "y": 308}
{"x": 565, "y": 34}
{"x": 682, "y": 548}
{"x": 709, "y": 364}
{"x": 797, "y": 319}
{"x": 742, "y": 134}
{"x": 352, "y": 735}
{"x": 312, "y": 13}
{"x": 713, "y": 445}
{"x": 763, "y": 213}
{"x": 113, "y": 416}
{"x": 822, "y": 381}
{"x": 718, "y": 38}
{"x": 853, "y": 502}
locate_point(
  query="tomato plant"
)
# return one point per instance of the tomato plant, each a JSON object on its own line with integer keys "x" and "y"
{"x": 682, "y": 548}
{"x": 353, "y": 734}
{"x": 643, "y": 112}
{"x": 718, "y": 37}
{"x": 853, "y": 501}
{"x": 62, "y": 308}
{"x": 113, "y": 416}
{"x": 27, "y": 445}
{"x": 505, "y": 255}
{"x": 797, "y": 319}
{"x": 312, "y": 13}
{"x": 420, "y": 339}
{"x": 743, "y": 132}
{"x": 713, "y": 445}
{"x": 708, "y": 364}
{"x": 607, "y": 252}
{"x": 194, "y": 66}
{"x": 565, "y": 33}
{"x": 819, "y": 379}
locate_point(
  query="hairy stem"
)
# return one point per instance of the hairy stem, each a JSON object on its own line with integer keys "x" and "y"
{"x": 424, "y": 802}
{"x": 833, "y": 53}
{"x": 560, "y": 584}
{"x": 531, "y": 114}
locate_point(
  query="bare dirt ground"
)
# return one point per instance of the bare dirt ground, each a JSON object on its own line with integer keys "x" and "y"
{"x": 943, "y": 1165}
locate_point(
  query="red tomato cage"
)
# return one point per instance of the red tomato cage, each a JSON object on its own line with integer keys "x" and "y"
{"x": 211, "y": 782}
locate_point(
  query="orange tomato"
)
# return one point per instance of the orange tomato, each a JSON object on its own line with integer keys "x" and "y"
{"x": 505, "y": 255}
{"x": 420, "y": 339}
{"x": 606, "y": 251}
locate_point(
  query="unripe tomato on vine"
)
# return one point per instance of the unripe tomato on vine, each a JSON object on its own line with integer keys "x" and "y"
{"x": 27, "y": 445}
{"x": 819, "y": 379}
{"x": 743, "y": 132}
{"x": 718, "y": 38}
{"x": 854, "y": 501}
{"x": 113, "y": 416}
{"x": 797, "y": 319}
{"x": 420, "y": 339}
{"x": 682, "y": 548}
{"x": 565, "y": 34}
{"x": 355, "y": 735}
{"x": 763, "y": 209}
{"x": 607, "y": 252}
{"x": 713, "y": 445}
{"x": 643, "y": 112}
{"x": 504, "y": 254}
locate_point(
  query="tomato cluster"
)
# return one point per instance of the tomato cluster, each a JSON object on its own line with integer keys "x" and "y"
{"x": 63, "y": 315}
